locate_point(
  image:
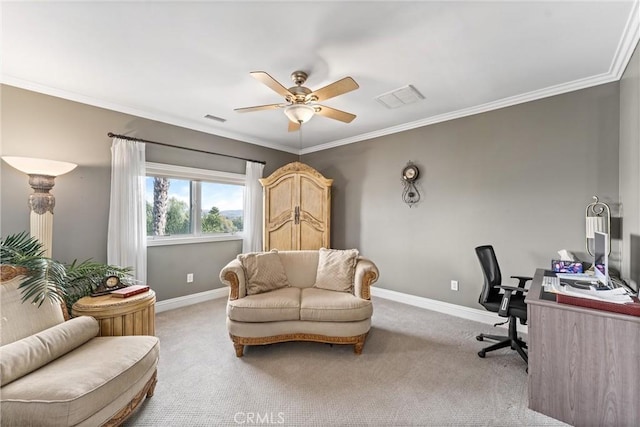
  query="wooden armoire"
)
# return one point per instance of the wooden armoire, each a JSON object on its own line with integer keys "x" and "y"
{"x": 297, "y": 208}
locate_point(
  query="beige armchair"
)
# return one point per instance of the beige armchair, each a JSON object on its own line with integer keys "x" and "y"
{"x": 56, "y": 372}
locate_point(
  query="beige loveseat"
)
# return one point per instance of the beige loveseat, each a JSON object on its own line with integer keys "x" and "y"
{"x": 58, "y": 373}
{"x": 321, "y": 296}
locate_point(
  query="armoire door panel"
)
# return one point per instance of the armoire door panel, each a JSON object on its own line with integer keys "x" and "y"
{"x": 282, "y": 198}
{"x": 283, "y": 220}
{"x": 315, "y": 223}
{"x": 282, "y": 238}
{"x": 310, "y": 237}
{"x": 313, "y": 198}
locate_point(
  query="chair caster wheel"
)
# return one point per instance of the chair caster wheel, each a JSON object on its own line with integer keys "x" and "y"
{"x": 480, "y": 338}
{"x": 481, "y": 354}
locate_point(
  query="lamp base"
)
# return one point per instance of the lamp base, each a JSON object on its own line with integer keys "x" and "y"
{"x": 42, "y": 229}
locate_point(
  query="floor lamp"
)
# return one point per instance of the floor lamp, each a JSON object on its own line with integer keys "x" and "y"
{"x": 42, "y": 174}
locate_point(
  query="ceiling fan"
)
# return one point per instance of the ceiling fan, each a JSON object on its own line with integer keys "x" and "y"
{"x": 301, "y": 103}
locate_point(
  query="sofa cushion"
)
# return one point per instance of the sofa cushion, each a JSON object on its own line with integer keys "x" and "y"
{"x": 281, "y": 304}
{"x": 336, "y": 269}
{"x": 263, "y": 272}
{"x": 28, "y": 354}
{"x": 301, "y": 267}
{"x": 20, "y": 320}
{"x": 81, "y": 383}
{"x": 330, "y": 306}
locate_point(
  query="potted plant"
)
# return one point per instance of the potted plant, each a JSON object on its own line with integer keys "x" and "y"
{"x": 48, "y": 279}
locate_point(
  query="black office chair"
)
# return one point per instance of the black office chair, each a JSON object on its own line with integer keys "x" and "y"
{"x": 510, "y": 304}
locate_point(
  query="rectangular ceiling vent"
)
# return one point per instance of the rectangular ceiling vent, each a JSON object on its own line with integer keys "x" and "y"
{"x": 217, "y": 119}
{"x": 397, "y": 98}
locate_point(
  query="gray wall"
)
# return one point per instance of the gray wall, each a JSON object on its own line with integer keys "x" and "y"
{"x": 518, "y": 178}
{"x": 38, "y": 125}
{"x": 630, "y": 157}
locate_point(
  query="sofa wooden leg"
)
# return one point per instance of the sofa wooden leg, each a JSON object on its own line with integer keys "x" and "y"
{"x": 357, "y": 348}
{"x": 239, "y": 349}
{"x": 152, "y": 387}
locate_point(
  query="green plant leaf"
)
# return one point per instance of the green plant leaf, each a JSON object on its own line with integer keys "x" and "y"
{"x": 45, "y": 280}
{"x": 48, "y": 279}
{"x": 17, "y": 247}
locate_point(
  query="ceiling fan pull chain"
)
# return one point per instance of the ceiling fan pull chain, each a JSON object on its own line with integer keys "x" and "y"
{"x": 300, "y": 143}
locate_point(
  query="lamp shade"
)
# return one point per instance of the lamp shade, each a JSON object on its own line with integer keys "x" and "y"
{"x": 299, "y": 113}
{"x": 34, "y": 166}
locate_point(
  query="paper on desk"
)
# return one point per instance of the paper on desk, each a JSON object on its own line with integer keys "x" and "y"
{"x": 617, "y": 296}
{"x": 576, "y": 276}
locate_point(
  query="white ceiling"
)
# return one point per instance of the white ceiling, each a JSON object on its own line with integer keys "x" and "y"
{"x": 178, "y": 61}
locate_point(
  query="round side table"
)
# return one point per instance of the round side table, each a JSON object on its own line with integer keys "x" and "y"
{"x": 134, "y": 315}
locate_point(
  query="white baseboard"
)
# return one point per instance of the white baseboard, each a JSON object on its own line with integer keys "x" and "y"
{"x": 468, "y": 313}
{"x": 186, "y": 300}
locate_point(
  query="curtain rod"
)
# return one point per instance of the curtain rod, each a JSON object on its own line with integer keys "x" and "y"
{"x": 130, "y": 138}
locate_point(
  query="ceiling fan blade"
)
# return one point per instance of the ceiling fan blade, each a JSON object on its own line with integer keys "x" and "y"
{"x": 259, "y": 107}
{"x": 293, "y": 126}
{"x": 271, "y": 82}
{"x": 332, "y": 113}
{"x": 336, "y": 88}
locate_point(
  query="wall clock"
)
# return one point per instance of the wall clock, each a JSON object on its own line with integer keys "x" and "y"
{"x": 410, "y": 172}
{"x": 410, "y": 194}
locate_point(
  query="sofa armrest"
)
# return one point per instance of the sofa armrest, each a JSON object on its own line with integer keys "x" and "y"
{"x": 366, "y": 274}
{"x": 232, "y": 275}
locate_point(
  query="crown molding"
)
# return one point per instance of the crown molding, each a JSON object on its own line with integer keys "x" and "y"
{"x": 155, "y": 116}
{"x": 628, "y": 42}
{"x": 483, "y": 108}
{"x": 624, "y": 51}
{"x": 620, "y": 60}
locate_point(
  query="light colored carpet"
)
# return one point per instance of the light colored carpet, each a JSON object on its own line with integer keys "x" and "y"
{"x": 418, "y": 368}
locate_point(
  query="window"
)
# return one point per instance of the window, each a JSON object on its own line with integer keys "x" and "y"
{"x": 187, "y": 205}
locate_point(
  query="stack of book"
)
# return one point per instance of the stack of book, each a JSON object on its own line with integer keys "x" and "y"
{"x": 130, "y": 291}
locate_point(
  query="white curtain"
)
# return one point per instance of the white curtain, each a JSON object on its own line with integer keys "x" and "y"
{"x": 127, "y": 237}
{"x": 252, "y": 228}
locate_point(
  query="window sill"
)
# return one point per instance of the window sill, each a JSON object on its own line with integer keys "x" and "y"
{"x": 188, "y": 240}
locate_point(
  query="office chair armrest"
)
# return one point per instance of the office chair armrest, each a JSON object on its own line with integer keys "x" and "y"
{"x": 522, "y": 280}
{"x": 506, "y": 298}
{"x": 512, "y": 289}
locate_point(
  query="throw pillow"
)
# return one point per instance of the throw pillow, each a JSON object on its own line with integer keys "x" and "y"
{"x": 336, "y": 269}
{"x": 263, "y": 272}
{"x": 30, "y": 353}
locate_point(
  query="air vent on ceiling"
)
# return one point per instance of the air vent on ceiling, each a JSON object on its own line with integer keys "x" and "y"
{"x": 399, "y": 97}
{"x": 218, "y": 119}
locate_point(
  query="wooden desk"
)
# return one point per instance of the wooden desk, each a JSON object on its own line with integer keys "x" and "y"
{"x": 134, "y": 315}
{"x": 584, "y": 364}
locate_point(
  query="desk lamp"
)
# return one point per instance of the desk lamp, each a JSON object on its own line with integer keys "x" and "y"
{"x": 597, "y": 218}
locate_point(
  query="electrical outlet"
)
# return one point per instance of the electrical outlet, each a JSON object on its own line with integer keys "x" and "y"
{"x": 454, "y": 285}
{"x": 190, "y": 278}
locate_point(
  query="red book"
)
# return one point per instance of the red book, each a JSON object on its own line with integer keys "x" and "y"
{"x": 130, "y": 291}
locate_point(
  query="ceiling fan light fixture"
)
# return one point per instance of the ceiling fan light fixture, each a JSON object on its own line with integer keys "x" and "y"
{"x": 299, "y": 113}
